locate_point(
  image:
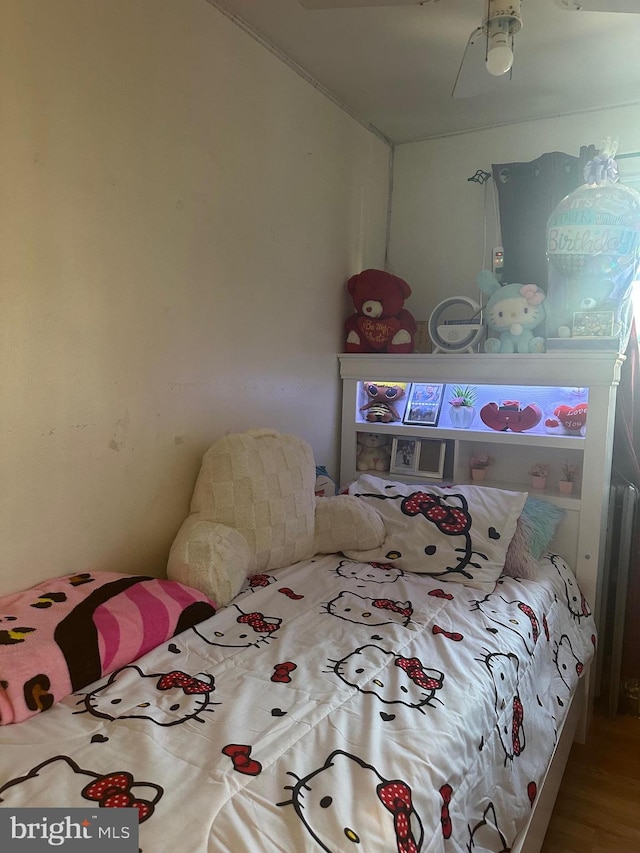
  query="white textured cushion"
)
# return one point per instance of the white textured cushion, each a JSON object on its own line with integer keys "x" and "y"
{"x": 343, "y": 522}
{"x": 262, "y": 484}
{"x": 460, "y": 533}
{"x": 254, "y": 510}
{"x": 210, "y": 557}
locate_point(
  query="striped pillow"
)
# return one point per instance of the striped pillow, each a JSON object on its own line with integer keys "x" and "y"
{"x": 65, "y": 633}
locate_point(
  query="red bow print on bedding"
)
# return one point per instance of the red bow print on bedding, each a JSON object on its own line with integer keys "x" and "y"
{"x": 449, "y": 519}
{"x": 404, "y": 608}
{"x": 190, "y": 685}
{"x": 396, "y": 797}
{"x": 258, "y": 623}
{"x": 239, "y": 754}
{"x": 414, "y": 669}
{"x": 114, "y": 792}
{"x": 445, "y": 819}
{"x": 281, "y": 672}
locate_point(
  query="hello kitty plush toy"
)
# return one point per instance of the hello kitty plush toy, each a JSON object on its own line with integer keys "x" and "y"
{"x": 513, "y": 311}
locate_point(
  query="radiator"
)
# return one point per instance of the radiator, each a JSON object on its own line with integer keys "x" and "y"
{"x": 623, "y": 504}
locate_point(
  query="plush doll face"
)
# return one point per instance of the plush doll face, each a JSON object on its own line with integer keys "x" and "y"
{"x": 372, "y": 439}
{"x": 515, "y": 307}
{"x": 381, "y": 392}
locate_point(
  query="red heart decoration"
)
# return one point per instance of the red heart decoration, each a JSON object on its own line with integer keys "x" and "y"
{"x": 529, "y": 417}
{"x": 504, "y": 419}
{"x": 572, "y": 417}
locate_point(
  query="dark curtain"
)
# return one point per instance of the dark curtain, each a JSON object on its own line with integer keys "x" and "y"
{"x": 527, "y": 195}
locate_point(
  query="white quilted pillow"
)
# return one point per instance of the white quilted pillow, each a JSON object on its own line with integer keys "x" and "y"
{"x": 261, "y": 483}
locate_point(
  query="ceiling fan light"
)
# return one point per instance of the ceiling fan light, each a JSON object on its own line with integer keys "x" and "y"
{"x": 499, "y": 54}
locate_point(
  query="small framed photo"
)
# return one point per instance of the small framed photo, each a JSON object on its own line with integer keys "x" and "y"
{"x": 431, "y": 458}
{"x": 404, "y": 455}
{"x": 424, "y": 456}
{"x": 423, "y": 404}
{"x": 593, "y": 324}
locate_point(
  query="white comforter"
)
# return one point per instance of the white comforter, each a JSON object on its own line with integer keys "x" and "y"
{"x": 332, "y": 706}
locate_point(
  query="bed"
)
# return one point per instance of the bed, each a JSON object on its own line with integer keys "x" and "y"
{"x": 335, "y": 704}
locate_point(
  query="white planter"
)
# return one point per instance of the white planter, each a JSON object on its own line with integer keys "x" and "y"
{"x": 461, "y": 416}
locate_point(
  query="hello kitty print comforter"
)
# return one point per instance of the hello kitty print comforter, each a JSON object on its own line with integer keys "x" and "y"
{"x": 333, "y": 705}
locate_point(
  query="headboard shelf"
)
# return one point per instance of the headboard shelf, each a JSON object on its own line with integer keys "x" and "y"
{"x": 543, "y": 380}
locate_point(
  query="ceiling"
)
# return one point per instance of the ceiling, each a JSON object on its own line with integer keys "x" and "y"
{"x": 394, "y": 67}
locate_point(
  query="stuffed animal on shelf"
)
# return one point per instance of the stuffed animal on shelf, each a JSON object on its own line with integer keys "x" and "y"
{"x": 373, "y": 452}
{"x": 513, "y": 311}
{"x": 380, "y": 322}
{"x": 380, "y": 399}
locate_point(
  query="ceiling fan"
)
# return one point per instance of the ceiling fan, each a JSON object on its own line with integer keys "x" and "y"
{"x": 490, "y": 46}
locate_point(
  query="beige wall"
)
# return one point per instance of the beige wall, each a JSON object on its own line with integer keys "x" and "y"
{"x": 439, "y": 217}
{"x": 179, "y": 212}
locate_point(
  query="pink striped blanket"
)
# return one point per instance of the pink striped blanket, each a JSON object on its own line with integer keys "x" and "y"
{"x": 65, "y": 633}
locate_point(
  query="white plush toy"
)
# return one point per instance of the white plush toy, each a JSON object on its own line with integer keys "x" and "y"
{"x": 254, "y": 509}
{"x": 373, "y": 453}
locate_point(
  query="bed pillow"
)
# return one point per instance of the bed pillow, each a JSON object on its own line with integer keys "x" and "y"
{"x": 535, "y": 529}
{"x": 460, "y": 533}
{"x": 65, "y": 633}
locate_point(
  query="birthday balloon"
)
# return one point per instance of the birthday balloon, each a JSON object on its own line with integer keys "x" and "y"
{"x": 594, "y": 230}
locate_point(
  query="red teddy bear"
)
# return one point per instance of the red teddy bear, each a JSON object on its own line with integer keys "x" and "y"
{"x": 380, "y": 323}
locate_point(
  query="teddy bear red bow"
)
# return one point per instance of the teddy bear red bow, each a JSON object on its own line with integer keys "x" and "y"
{"x": 380, "y": 323}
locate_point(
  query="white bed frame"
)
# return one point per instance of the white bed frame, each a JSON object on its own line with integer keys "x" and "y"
{"x": 581, "y": 537}
{"x": 531, "y": 838}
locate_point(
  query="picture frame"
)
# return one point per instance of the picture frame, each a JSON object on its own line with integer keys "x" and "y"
{"x": 404, "y": 455}
{"x": 593, "y": 324}
{"x": 431, "y": 458}
{"x": 423, "y": 404}
{"x": 423, "y": 456}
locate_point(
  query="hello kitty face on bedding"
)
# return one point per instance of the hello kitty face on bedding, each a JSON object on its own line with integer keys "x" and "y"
{"x": 569, "y": 667}
{"x": 460, "y": 533}
{"x": 166, "y": 699}
{"x": 503, "y": 669}
{"x": 486, "y": 834}
{"x": 520, "y": 619}
{"x": 240, "y": 630}
{"x": 347, "y": 805}
{"x": 576, "y": 602}
{"x": 116, "y": 788}
{"x": 370, "y": 573}
{"x": 369, "y": 611}
{"x": 392, "y": 678}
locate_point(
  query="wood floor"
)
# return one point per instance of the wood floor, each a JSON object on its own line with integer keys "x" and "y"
{"x": 598, "y": 806}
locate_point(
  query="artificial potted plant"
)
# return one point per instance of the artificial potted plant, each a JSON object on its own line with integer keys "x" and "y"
{"x": 479, "y": 463}
{"x": 569, "y": 476}
{"x": 539, "y": 473}
{"x": 462, "y": 411}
